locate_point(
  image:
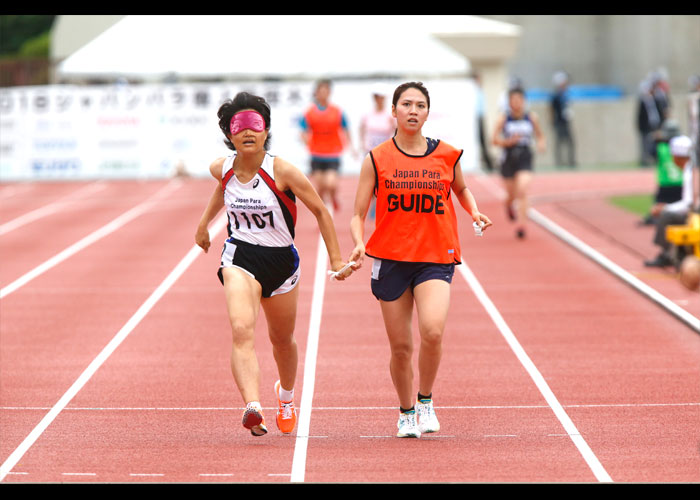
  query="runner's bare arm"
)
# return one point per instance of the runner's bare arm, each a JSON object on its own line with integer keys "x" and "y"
{"x": 287, "y": 176}
{"x": 363, "y": 198}
{"x": 216, "y": 203}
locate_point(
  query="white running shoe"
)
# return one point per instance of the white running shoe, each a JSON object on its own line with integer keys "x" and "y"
{"x": 427, "y": 420}
{"x": 407, "y": 425}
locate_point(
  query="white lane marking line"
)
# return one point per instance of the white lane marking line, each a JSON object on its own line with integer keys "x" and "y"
{"x": 588, "y": 455}
{"x": 14, "y": 190}
{"x": 40, "y": 212}
{"x": 427, "y": 435}
{"x": 606, "y": 263}
{"x": 304, "y": 422}
{"x": 89, "y": 239}
{"x": 141, "y": 313}
{"x": 537, "y": 217}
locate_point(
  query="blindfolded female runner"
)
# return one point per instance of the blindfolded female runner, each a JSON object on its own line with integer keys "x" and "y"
{"x": 259, "y": 262}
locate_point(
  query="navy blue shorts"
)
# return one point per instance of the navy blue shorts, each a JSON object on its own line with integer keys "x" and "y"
{"x": 390, "y": 278}
{"x": 275, "y": 268}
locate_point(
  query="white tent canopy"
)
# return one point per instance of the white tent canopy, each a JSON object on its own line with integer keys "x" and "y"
{"x": 276, "y": 46}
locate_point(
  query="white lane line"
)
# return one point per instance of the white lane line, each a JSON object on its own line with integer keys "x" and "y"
{"x": 90, "y": 239}
{"x": 13, "y": 190}
{"x": 40, "y": 212}
{"x": 537, "y": 217}
{"x": 680, "y": 313}
{"x": 150, "y": 302}
{"x": 304, "y": 423}
{"x": 588, "y": 455}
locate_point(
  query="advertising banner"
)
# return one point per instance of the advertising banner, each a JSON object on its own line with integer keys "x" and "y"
{"x": 156, "y": 130}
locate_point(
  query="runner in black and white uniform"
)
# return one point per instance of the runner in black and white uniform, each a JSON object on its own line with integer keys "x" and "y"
{"x": 518, "y": 156}
{"x": 261, "y": 222}
{"x": 259, "y": 263}
{"x": 517, "y": 131}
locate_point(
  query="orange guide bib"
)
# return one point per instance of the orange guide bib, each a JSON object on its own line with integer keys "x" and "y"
{"x": 415, "y": 218}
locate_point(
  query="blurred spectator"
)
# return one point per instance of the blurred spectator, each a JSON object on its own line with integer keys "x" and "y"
{"x": 378, "y": 125}
{"x": 662, "y": 91}
{"x": 561, "y": 121}
{"x": 677, "y": 212}
{"x": 481, "y": 123}
{"x": 668, "y": 176}
{"x": 694, "y": 83}
{"x": 649, "y": 119}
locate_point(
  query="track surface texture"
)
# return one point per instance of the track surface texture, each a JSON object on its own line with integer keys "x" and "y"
{"x": 114, "y": 348}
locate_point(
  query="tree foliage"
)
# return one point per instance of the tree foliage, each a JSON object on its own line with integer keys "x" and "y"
{"x": 18, "y": 30}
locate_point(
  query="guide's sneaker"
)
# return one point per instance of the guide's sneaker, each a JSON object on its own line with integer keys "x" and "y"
{"x": 286, "y": 413}
{"x": 254, "y": 420}
{"x": 427, "y": 420}
{"x": 407, "y": 425}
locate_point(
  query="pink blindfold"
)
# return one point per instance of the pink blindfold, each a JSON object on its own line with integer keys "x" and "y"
{"x": 247, "y": 119}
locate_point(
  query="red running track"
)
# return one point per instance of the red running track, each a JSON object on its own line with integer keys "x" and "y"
{"x": 554, "y": 370}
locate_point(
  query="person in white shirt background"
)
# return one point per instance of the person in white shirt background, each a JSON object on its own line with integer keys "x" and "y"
{"x": 676, "y": 212}
{"x": 376, "y": 126}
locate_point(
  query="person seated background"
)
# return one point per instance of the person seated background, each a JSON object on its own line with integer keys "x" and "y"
{"x": 676, "y": 212}
{"x": 669, "y": 177}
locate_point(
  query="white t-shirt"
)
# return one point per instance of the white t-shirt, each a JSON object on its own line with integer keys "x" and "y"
{"x": 379, "y": 126}
{"x": 686, "y": 200}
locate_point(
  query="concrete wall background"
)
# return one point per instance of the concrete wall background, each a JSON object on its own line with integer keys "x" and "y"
{"x": 611, "y": 50}
{"x": 605, "y": 131}
{"x": 605, "y": 49}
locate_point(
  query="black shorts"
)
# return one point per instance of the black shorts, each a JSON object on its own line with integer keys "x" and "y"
{"x": 516, "y": 158}
{"x": 323, "y": 165}
{"x": 275, "y": 268}
{"x": 390, "y": 278}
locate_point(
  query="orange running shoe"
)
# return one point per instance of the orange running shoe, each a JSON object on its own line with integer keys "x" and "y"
{"x": 254, "y": 420}
{"x": 286, "y": 413}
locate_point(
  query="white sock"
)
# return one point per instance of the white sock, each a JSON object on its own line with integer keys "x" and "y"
{"x": 286, "y": 396}
{"x": 254, "y": 404}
